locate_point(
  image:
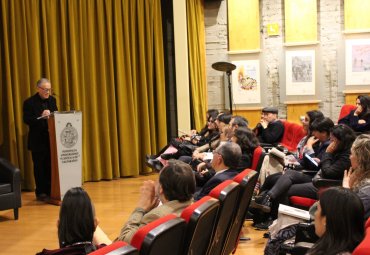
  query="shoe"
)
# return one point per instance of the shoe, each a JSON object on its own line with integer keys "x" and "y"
{"x": 263, "y": 225}
{"x": 154, "y": 163}
{"x": 262, "y": 203}
{"x": 168, "y": 156}
{"x": 148, "y": 156}
{"x": 42, "y": 197}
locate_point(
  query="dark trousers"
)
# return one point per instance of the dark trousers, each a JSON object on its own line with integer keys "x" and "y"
{"x": 286, "y": 181}
{"x": 282, "y": 186}
{"x": 42, "y": 171}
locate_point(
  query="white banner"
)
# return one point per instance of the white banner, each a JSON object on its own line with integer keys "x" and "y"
{"x": 68, "y": 131}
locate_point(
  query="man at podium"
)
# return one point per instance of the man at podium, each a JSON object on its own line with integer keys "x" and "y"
{"x": 36, "y": 111}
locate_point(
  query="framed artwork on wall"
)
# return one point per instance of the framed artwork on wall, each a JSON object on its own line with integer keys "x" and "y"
{"x": 300, "y": 72}
{"x": 246, "y": 87}
{"x": 358, "y": 62}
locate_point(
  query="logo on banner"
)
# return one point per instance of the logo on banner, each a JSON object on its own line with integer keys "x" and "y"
{"x": 69, "y": 136}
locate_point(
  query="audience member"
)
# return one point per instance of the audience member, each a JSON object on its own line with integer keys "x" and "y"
{"x": 174, "y": 190}
{"x": 358, "y": 177}
{"x": 76, "y": 225}
{"x": 272, "y": 165}
{"x": 332, "y": 164}
{"x": 359, "y": 119}
{"x": 338, "y": 222}
{"x": 270, "y": 129}
{"x": 238, "y": 121}
{"x": 185, "y": 146}
{"x": 225, "y": 162}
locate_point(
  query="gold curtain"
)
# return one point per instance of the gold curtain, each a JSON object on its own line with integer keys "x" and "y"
{"x": 197, "y": 61}
{"x": 104, "y": 58}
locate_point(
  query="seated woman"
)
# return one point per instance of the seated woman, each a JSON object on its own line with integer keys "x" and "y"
{"x": 359, "y": 119}
{"x": 272, "y": 165}
{"x": 338, "y": 222}
{"x": 358, "y": 177}
{"x": 222, "y": 122}
{"x": 332, "y": 164}
{"x": 184, "y": 146}
{"x": 76, "y": 224}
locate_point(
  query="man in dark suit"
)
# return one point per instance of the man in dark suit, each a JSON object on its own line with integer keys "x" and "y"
{"x": 225, "y": 162}
{"x": 41, "y": 104}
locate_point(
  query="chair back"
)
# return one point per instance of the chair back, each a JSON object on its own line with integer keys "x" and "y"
{"x": 227, "y": 193}
{"x": 117, "y": 248}
{"x": 293, "y": 133}
{"x": 345, "y": 110}
{"x": 163, "y": 236}
{"x": 247, "y": 180}
{"x": 364, "y": 247}
{"x": 10, "y": 187}
{"x": 200, "y": 218}
{"x": 257, "y": 159}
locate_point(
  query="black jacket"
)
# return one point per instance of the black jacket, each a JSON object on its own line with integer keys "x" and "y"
{"x": 38, "y": 137}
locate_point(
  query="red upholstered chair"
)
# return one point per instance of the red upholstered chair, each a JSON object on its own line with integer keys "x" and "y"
{"x": 228, "y": 194}
{"x": 163, "y": 236}
{"x": 257, "y": 159}
{"x": 345, "y": 110}
{"x": 293, "y": 133}
{"x": 364, "y": 247}
{"x": 247, "y": 180}
{"x": 117, "y": 248}
{"x": 200, "y": 217}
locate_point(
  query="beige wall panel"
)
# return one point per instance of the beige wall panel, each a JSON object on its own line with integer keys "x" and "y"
{"x": 244, "y": 25}
{"x": 252, "y": 115}
{"x": 356, "y": 14}
{"x": 295, "y": 110}
{"x": 300, "y": 21}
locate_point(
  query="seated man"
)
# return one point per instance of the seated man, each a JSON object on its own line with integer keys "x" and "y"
{"x": 225, "y": 162}
{"x": 175, "y": 190}
{"x": 270, "y": 130}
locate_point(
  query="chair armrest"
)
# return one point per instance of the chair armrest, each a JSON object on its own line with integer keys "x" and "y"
{"x": 324, "y": 183}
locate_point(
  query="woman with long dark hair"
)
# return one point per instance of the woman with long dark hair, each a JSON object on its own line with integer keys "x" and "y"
{"x": 359, "y": 119}
{"x": 339, "y": 222}
{"x": 76, "y": 224}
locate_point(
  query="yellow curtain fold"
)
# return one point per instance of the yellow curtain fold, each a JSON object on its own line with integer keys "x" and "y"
{"x": 104, "y": 58}
{"x": 197, "y": 61}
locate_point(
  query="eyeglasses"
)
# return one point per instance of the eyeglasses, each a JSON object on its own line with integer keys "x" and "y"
{"x": 216, "y": 152}
{"x": 45, "y": 90}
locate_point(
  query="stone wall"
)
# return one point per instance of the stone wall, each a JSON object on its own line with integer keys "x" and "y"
{"x": 329, "y": 55}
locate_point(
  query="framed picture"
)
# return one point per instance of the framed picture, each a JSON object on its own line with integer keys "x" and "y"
{"x": 358, "y": 62}
{"x": 246, "y": 88}
{"x": 300, "y": 72}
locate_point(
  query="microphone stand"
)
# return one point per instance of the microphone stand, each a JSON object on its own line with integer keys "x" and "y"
{"x": 230, "y": 95}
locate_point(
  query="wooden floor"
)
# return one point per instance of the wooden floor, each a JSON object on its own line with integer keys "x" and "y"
{"x": 113, "y": 200}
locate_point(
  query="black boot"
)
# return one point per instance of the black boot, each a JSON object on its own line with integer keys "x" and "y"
{"x": 154, "y": 163}
{"x": 262, "y": 203}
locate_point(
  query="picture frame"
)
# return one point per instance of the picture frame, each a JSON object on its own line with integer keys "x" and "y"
{"x": 246, "y": 87}
{"x": 300, "y": 72}
{"x": 357, "y": 61}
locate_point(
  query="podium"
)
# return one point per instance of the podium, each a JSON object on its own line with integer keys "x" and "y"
{"x": 65, "y": 133}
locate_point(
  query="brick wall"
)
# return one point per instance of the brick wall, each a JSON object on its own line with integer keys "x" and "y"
{"x": 330, "y": 53}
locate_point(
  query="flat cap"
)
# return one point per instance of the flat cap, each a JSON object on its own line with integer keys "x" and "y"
{"x": 271, "y": 109}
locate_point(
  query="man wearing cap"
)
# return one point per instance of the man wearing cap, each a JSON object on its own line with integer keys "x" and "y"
{"x": 270, "y": 130}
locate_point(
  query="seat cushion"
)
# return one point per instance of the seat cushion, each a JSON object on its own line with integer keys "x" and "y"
{"x": 5, "y": 188}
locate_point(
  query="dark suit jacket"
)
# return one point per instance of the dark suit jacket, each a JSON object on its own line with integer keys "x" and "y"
{"x": 38, "y": 137}
{"x": 214, "y": 181}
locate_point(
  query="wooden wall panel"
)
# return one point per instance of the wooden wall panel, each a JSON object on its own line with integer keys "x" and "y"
{"x": 299, "y": 108}
{"x": 356, "y": 15}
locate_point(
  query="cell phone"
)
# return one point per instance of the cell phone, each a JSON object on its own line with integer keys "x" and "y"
{"x": 311, "y": 160}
